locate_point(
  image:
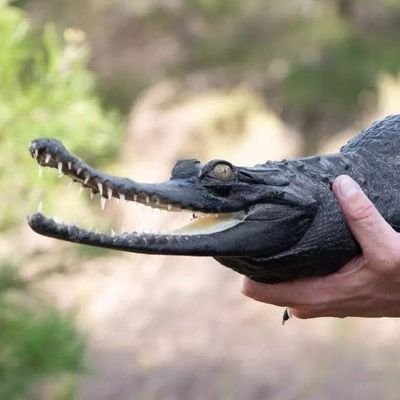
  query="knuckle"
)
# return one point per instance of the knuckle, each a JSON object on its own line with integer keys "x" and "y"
{"x": 304, "y": 313}
{"x": 364, "y": 212}
{"x": 394, "y": 256}
{"x": 249, "y": 288}
{"x": 388, "y": 261}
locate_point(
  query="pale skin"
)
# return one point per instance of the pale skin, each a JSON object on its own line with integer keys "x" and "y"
{"x": 367, "y": 286}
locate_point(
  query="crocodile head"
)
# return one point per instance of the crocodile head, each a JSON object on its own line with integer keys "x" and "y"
{"x": 274, "y": 222}
{"x": 242, "y": 212}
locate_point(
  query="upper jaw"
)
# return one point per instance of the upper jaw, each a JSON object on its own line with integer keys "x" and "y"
{"x": 173, "y": 195}
{"x": 51, "y": 153}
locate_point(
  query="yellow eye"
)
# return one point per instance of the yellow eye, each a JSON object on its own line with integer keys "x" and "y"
{"x": 223, "y": 172}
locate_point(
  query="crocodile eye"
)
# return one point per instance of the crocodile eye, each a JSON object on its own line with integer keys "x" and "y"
{"x": 223, "y": 172}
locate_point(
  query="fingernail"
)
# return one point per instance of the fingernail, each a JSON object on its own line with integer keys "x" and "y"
{"x": 347, "y": 186}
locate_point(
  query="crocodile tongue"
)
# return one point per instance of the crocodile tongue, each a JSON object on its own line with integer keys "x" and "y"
{"x": 210, "y": 224}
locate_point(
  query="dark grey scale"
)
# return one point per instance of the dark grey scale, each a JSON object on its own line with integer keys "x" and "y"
{"x": 301, "y": 166}
{"x": 325, "y": 178}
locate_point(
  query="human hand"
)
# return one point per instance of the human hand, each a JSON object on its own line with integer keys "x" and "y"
{"x": 367, "y": 286}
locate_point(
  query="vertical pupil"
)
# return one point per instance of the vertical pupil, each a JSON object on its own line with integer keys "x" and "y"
{"x": 223, "y": 171}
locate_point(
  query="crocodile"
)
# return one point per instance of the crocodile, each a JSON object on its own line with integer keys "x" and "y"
{"x": 274, "y": 222}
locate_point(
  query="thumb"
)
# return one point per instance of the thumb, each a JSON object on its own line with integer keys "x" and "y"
{"x": 368, "y": 226}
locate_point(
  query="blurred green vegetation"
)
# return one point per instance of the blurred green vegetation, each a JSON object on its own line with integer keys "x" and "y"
{"x": 46, "y": 91}
{"x": 36, "y": 342}
{"x": 316, "y": 63}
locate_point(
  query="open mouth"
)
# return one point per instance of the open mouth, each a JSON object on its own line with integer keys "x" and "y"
{"x": 50, "y": 153}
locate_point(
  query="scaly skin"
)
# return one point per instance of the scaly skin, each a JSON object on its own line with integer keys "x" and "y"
{"x": 289, "y": 224}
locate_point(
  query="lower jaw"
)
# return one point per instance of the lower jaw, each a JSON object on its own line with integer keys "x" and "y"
{"x": 205, "y": 225}
{"x": 168, "y": 244}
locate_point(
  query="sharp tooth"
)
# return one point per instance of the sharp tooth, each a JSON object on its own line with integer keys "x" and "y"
{"x": 60, "y": 171}
{"x": 134, "y": 197}
{"x": 109, "y": 193}
{"x": 40, "y": 207}
{"x": 78, "y": 171}
{"x": 122, "y": 196}
{"x": 91, "y": 195}
{"x": 100, "y": 186}
{"x": 36, "y": 153}
{"x": 40, "y": 171}
{"x": 112, "y": 232}
{"x": 147, "y": 199}
{"x": 86, "y": 179}
{"x": 169, "y": 207}
{"x": 103, "y": 202}
{"x": 69, "y": 165}
{"x": 47, "y": 159}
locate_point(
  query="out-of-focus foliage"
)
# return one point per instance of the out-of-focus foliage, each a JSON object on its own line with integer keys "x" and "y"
{"x": 36, "y": 342}
{"x": 46, "y": 91}
{"x": 315, "y": 62}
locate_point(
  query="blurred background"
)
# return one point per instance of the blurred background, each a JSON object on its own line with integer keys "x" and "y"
{"x": 131, "y": 86}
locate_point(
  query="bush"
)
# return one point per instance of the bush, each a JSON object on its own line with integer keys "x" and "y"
{"x": 36, "y": 342}
{"x": 46, "y": 91}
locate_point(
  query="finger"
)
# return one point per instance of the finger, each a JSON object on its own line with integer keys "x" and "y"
{"x": 315, "y": 291}
{"x": 318, "y": 313}
{"x": 368, "y": 226}
{"x": 302, "y": 313}
{"x": 302, "y": 292}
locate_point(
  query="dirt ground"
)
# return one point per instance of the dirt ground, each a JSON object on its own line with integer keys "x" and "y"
{"x": 178, "y": 328}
